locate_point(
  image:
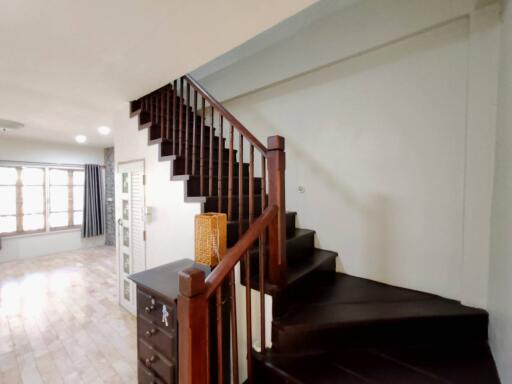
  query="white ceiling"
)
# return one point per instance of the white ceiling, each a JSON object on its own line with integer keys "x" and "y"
{"x": 66, "y": 66}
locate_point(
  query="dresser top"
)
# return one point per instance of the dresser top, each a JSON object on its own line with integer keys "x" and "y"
{"x": 164, "y": 280}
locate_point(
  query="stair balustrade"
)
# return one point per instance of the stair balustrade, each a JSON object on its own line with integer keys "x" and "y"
{"x": 196, "y": 128}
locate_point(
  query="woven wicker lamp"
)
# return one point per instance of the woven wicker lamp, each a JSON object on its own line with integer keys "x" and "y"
{"x": 210, "y": 238}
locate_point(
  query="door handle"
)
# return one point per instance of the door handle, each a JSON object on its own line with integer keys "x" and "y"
{"x": 120, "y": 222}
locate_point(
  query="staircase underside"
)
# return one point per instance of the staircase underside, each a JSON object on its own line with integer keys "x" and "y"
{"x": 352, "y": 330}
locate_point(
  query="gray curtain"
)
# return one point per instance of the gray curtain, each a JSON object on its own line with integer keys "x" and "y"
{"x": 94, "y": 206}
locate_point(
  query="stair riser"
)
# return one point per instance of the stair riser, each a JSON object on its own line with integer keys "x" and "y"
{"x": 296, "y": 249}
{"x": 298, "y": 246}
{"x": 403, "y": 332}
{"x": 211, "y": 205}
{"x": 145, "y": 121}
{"x": 325, "y": 271}
{"x": 194, "y": 186}
{"x": 166, "y": 149}
{"x": 179, "y": 168}
{"x": 266, "y": 374}
{"x": 232, "y": 229}
{"x": 155, "y": 132}
{"x": 293, "y": 294}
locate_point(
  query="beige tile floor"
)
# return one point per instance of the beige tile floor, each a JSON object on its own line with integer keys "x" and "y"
{"x": 60, "y": 321}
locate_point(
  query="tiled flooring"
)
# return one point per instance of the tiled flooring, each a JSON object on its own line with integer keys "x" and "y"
{"x": 60, "y": 321}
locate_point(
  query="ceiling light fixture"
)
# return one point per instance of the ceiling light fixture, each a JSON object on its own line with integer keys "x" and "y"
{"x": 9, "y": 125}
{"x": 81, "y": 139}
{"x": 104, "y": 130}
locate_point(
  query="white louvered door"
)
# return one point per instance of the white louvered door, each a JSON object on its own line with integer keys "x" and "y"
{"x": 131, "y": 230}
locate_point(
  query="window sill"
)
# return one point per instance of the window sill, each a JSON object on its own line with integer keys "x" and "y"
{"x": 35, "y": 234}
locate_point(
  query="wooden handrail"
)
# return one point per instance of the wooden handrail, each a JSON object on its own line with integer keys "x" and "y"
{"x": 235, "y": 254}
{"x": 227, "y": 115}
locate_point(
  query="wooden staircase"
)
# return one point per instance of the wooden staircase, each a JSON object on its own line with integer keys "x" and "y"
{"x": 327, "y": 327}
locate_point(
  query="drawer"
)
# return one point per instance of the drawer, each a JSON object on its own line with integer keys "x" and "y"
{"x": 147, "y": 377}
{"x": 156, "y": 363}
{"x": 158, "y": 338}
{"x": 151, "y": 308}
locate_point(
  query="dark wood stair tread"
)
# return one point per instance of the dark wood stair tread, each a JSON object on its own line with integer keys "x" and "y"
{"x": 460, "y": 364}
{"x": 345, "y": 314}
{"x": 352, "y": 299}
{"x": 334, "y": 315}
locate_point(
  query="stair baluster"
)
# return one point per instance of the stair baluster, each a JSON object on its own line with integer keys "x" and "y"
{"x": 181, "y": 111}
{"x": 234, "y": 329}
{"x": 162, "y": 114}
{"x": 201, "y": 155}
{"x": 210, "y": 169}
{"x": 174, "y": 116}
{"x": 187, "y": 125}
{"x": 194, "y": 132}
{"x": 168, "y": 113}
{"x": 251, "y": 184}
{"x": 221, "y": 165}
{"x": 230, "y": 174}
{"x": 240, "y": 185}
{"x": 220, "y": 362}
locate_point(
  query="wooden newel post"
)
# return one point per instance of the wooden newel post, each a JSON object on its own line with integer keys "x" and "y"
{"x": 193, "y": 325}
{"x": 276, "y": 164}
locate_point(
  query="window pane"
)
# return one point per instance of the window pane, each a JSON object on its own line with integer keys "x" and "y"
{"x": 58, "y": 177}
{"x": 78, "y": 177}
{"x": 8, "y": 176}
{"x": 77, "y": 218}
{"x": 32, "y": 176}
{"x": 78, "y": 198}
{"x": 126, "y": 237}
{"x": 7, "y": 224}
{"x": 33, "y": 222}
{"x": 58, "y": 199}
{"x": 33, "y": 200}
{"x": 58, "y": 220}
{"x": 7, "y": 200}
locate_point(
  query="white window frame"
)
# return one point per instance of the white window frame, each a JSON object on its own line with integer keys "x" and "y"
{"x": 46, "y": 195}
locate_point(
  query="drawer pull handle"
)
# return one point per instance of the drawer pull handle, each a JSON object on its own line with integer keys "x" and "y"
{"x": 150, "y": 360}
{"x": 151, "y": 332}
{"x": 150, "y": 308}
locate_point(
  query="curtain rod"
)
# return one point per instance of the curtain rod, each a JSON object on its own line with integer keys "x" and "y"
{"x": 36, "y": 163}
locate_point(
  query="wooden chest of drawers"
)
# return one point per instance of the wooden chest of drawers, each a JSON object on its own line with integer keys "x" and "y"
{"x": 157, "y": 344}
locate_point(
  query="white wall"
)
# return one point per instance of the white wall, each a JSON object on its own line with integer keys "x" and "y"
{"x": 347, "y": 29}
{"x": 170, "y": 233}
{"x": 25, "y": 246}
{"x": 387, "y": 190}
{"x": 500, "y": 279}
{"x": 390, "y": 127}
{"x": 482, "y": 88}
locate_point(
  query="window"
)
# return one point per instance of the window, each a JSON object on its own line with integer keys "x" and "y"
{"x": 66, "y": 198}
{"x": 39, "y": 199}
{"x": 32, "y": 199}
{"x": 8, "y": 204}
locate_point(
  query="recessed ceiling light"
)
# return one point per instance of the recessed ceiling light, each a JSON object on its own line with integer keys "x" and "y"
{"x": 104, "y": 130}
{"x": 81, "y": 139}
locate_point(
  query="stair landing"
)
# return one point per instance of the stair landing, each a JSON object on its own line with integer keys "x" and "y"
{"x": 354, "y": 330}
